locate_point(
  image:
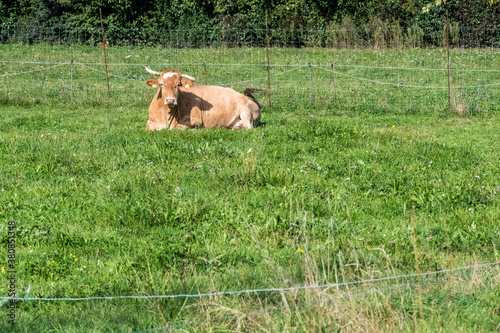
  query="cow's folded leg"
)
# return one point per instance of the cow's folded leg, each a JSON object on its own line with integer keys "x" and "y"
{"x": 180, "y": 126}
{"x": 244, "y": 122}
{"x": 150, "y": 126}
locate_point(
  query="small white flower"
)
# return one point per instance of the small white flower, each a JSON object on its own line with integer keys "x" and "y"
{"x": 177, "y": 189}
{"x": 249, "y": 150}
{"x": 347, "y": 178}
{"x": 443, "y": 194}
{"x": 42, "y": 135}
{"x": 220, "y": 140}
{"x": 319, "y": 168}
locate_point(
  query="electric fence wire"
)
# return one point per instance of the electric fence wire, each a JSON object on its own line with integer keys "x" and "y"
{"x": 255, "y": 64}
{"x": 35, "y": 70}
{"x": 405, "y": 85}
{"x": 256, "y": 290}
{"x": 330, "y": 299}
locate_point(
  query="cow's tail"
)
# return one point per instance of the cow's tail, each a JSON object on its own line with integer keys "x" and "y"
{"x": 250, "y": 91}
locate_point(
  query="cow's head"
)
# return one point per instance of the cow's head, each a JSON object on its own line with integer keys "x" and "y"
{"x": 169, "y": 82}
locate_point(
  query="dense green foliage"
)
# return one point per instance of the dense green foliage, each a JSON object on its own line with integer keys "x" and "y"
{"x": 203, "y": 16}
{"x": 182, "y": 14}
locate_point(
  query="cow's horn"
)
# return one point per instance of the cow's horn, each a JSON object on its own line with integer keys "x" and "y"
{"x": 188, "y": 77}
{"x": 150, "y": 71}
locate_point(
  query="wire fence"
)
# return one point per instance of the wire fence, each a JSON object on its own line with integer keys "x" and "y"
{"x": 322, "y": 301}
{"x": 375, "y": 35}
{"x": 264, "y": 290}
{"x": 406, "y": 281}
{"x": 373, "y": 88}
{"x": 363, "y": 73}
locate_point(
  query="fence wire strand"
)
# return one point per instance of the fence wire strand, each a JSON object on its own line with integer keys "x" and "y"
{"x": 405, "y": 85}
{"x": 264, "y": 77}
{"x": 328, "y": 285}
{"x": 330, "y": 299}
{"x": 35, "y": 70}
{"x": 261, "y": 78}
{"x": 97, "y": 70}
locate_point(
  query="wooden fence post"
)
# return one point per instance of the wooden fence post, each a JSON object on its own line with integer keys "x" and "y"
{"x": 268, "y": 75}
{"x": 448, "y": 56}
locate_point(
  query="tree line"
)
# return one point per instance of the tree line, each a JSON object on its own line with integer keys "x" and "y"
{"x": 478, "y": 17}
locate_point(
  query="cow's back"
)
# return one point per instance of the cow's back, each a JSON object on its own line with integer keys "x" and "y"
{"x": 213, "y": 106}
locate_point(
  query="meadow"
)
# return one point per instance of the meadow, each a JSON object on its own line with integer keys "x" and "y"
{"x": 390, "y": 183}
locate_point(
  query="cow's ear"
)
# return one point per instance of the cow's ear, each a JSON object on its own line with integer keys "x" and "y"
{"x": 186, "y": 83}
{"x": 152, "y": 83}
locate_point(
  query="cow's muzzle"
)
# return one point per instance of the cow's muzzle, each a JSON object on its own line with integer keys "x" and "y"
{"x": 170, "y": 101}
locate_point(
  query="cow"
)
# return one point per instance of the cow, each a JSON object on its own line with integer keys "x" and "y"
{"x": 179, "y": 103}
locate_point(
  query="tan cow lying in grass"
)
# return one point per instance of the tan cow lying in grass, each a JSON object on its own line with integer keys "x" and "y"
{"x": 179, "y": 103}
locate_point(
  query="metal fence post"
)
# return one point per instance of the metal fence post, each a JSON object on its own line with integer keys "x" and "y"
{"x": 334, "y": 90}
{"x": 310, "y": 84}
{"x": 104, "y": 48}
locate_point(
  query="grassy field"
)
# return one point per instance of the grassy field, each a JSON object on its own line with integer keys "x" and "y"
{"x": 314, "y": 195}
